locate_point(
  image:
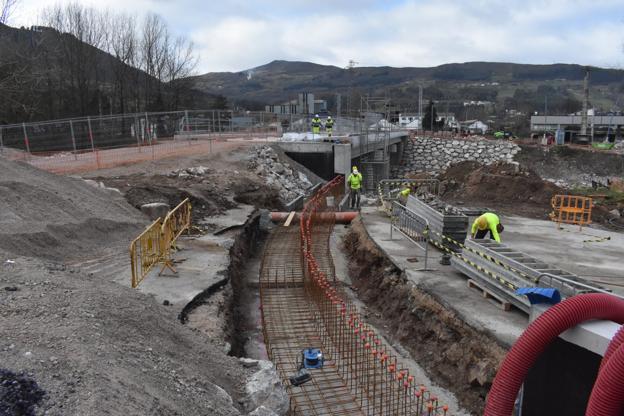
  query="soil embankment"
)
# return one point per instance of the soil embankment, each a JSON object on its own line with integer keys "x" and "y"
{"x": 505, "y": 187}
{"x": 455, "y": 355}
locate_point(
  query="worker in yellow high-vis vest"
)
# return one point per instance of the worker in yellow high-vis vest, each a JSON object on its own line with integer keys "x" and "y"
{"x": 355, "y": 185}
{"x": 488, "y": 222}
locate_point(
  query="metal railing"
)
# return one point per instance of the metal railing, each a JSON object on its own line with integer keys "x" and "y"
{"x": 412, "y": 226}
{"x": 389, "y": 189}
{"x": 155, "y": 244}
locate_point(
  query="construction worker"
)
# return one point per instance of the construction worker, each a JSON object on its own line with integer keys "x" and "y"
{"x": 487, "y": 222}
{"x": 355, "y": 185}
{"x": 316, "y": 125}
{"x": 404, "y": 194}
{"x": 329, "y": 126}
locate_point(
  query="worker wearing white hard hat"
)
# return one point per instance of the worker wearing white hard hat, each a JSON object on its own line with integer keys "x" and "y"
{"x": 329, "y": 126}
{"x": 316, "y": 125}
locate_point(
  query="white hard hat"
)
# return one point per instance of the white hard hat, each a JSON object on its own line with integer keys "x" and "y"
{"x": 316, "y": 115}
{"x": 329, "y": 117}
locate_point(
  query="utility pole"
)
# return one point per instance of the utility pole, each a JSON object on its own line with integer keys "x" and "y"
{"x": 583, "y": 135}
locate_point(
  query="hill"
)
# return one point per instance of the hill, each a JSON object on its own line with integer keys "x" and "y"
{"x": 48, "y": 74}
{"x": 489, "y": 81}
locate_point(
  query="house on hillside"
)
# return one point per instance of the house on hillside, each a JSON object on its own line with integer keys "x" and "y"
{"x": 474, "y": 127}
{"x": 450, "y": 122}
{"x": 409, "y": 121}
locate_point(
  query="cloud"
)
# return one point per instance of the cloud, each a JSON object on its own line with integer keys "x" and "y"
{"x": 233, "y": 35}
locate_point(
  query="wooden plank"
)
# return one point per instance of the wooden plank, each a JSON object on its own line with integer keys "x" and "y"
{"x": 489, "y": 295}
{"x": 289, "y": 219}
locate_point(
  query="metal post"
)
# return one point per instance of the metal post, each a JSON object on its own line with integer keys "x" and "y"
{"x": 219, "y": 119}
{"x": 26, "y": 142}
{"x": 71, "y": 127}
{"x": 136, "y": 133}
{"x": 91, "y": 134}
{"x": 147, "y": 129}
{"x": 213, "y": 121}
{"x": 1, "y": 142}
{"x": 186, "y": 120}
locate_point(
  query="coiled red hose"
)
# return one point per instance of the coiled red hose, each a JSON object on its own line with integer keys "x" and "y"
{"x": 615, "y": 343}
{"x": 607, "y": 396}
{"x": 538, "y": 335}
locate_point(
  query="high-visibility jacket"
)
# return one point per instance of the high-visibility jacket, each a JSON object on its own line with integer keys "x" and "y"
{"x": 355, "y": 180}
{"x": 316, "y": 122}
{"x": 329, "y": 124}
{"x": 487, "y": 221}
{"x": 405, "y": 192}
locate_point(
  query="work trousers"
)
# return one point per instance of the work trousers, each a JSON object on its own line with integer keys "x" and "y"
{"x": 354, "y": 198}
{"x": 482, "y": 233}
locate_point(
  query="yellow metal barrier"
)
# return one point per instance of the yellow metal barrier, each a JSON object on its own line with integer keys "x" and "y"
{"x": 156, "y": 243}
{"x": 175, "y": 223}
{"x": 146, "y": 251}
{"x": 571, "y": 209}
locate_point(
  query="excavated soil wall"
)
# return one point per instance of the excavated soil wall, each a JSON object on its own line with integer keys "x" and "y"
{"x": 455, "y": 355}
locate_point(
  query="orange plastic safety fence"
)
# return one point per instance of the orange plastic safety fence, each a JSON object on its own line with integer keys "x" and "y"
{"x": 375, "y": 376}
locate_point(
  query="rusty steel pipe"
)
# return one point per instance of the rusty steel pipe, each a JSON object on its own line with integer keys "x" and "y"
{"x": 340, "y": 217}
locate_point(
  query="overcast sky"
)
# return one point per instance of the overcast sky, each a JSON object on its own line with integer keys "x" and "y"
{"x": 233, "y": 35}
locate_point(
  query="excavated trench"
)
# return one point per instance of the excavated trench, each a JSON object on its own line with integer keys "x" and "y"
{"x": 455, "y": 355}
{"x": 228, "y": 310}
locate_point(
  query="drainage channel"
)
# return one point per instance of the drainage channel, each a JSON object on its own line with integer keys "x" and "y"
{"x": 290, "y": 325}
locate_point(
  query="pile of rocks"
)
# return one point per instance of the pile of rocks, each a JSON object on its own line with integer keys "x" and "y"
{"x": 434, "y": 155}
{"x": 290, "y": 184}
{"x": 191, "y": 172}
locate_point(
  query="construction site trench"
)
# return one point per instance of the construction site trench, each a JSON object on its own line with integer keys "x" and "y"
{"x": 279, "y": 292}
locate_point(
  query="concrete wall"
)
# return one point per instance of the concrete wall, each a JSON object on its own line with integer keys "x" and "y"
{"x": 433, "y": 155}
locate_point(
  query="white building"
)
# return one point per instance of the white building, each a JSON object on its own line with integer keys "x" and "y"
{"x": 474, "y": 127}
{"x": 409, "y": 121}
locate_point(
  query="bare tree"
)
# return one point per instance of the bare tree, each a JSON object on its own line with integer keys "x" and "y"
{"x": 6, "y": 8}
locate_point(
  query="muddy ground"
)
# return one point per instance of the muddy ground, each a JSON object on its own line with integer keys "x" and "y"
{"x": 455, "y": 355}
{"x": 91, "y": 345}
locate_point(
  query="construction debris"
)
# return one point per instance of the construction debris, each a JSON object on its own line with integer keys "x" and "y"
{"x": 289, "y": 183}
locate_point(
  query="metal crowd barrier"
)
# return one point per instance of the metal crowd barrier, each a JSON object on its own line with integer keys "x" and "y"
{"x": 156, "y": 243}
{"x": 145, "y": 252}
{"x": 412, "y": 226}
{"x": 389, "y": 189}
{"x": 571, "y": 209}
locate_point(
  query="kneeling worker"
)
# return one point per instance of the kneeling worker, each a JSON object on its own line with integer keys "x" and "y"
{"x": 487, "y": 222}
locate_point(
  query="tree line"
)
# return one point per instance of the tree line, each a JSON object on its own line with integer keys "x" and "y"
{"x": 83, "y": 61}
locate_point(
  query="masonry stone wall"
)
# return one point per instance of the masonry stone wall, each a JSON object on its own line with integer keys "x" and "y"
{"x": 434, "y": 155}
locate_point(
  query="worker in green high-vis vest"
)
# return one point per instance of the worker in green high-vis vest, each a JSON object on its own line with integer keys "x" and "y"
{"x": 355, "y": 185}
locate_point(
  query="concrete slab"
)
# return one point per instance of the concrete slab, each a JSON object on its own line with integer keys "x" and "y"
{"x": 586, "y": 253}
{"x": 443, "y": 282}
{"x": 200, "y": 263}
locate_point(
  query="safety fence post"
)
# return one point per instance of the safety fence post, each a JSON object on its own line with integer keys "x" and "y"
{"x": 26, "y": 142}
{"x": 1, "y": 142}
{"x": 97, "y": 158}
{"x": 73, "y": 137}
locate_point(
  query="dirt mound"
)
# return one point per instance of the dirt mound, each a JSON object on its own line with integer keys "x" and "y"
{"x": 506, "y": 187}
{"x": 58, "y": 217}
{"x": 98, "y": 348}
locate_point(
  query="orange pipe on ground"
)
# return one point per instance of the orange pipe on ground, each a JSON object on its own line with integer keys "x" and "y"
{"x": 344, "y": 217}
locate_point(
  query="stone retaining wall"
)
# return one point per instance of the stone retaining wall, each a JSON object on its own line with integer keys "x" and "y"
{"x": 434, "y": 155}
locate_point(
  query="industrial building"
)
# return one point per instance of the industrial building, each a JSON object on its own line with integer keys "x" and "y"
{"x": 304, "y": 104}
{"x": 598, "y": 126}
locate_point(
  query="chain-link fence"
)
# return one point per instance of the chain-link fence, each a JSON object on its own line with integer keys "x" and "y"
{"x": 80, "y": 144}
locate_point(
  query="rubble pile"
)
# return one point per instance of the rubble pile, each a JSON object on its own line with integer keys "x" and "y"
{"x": 290, "y": 184}
{"x": 434, "y": 155}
